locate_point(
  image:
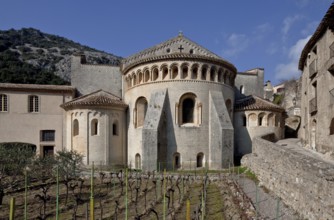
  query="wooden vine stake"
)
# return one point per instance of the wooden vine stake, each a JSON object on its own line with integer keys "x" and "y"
{"x": 164, "y": 208}
{"x": 188, "y": 210}
{"x": 126, "y": 193}
{"x": 92, "y": 193}
{"x": 12, "y": 208}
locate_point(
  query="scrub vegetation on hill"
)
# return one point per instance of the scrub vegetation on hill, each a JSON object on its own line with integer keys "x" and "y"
{"x": 30, "y": 56}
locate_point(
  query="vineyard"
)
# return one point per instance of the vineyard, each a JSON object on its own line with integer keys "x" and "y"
{"x": 97, "y": 193}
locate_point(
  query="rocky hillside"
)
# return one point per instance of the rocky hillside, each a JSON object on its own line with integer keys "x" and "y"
{"x": 31, "y": 56}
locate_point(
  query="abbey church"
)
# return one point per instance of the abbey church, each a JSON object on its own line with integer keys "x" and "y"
{"x": 175, "y": 105}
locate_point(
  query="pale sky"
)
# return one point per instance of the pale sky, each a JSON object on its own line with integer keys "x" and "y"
{"x": 249, "y": 33}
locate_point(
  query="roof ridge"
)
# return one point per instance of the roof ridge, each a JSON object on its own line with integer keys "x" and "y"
{"x": 97, "y": 98}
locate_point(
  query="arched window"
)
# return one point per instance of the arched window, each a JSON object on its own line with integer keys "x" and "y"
{"x": 3, "y": 103}
{"x": 271, "y": 120}
{"x": 155, "y": 74}
{"x": 194, "y": 72}
{"x": 177, "y": 160}
{"x": 252, "y": 120}
{"x": 75, "y": 127}
{"x": 138, "y": 161}
{"x": 188, "y": 110}
{"x": 130, "y": 82}
{"x": 227, "y": 78}
{"x": 261, "y": 119}
{"x": 242, "y": 90}
{"x": 141, "y": 108}
{"x": 33, "y": 103}
{"x": 199, "y": 160}
{"x": 331, "y": 127}
{"x": 115, "y": 128}
{"x": 94, "y": 127}
{"x": 204, "y": 70}
{"x": 212, "y": 74}
{"x": 134, "y": 80}
{"x": 146, "y": 75}
{"x": 164, "y": 72}
{"x": 220, "y": 75}
{"x": 140, "y": 77}
{"x": 184, "y": 72}
{"x": 175, "y": 71}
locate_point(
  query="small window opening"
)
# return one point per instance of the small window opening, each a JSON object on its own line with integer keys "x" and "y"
{"x": 177, "y": 163}
{"x": 199, "y": 160}
{"x": 138, "y": 161}
{"x": 331, "y": 127}
{"x": 94, "y": 127}
{"x": 115, "y": 129}
{"x": 75, "y": 127}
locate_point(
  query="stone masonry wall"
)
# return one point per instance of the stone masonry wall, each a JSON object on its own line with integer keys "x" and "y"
{"x": 150, "y": 130}
{"x": 304, "y": 183}
{"x": 220, "y": 132}
{"x": 87, "y": 78}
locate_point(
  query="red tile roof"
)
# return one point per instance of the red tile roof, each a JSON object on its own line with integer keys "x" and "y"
{"x": 99, "y": 98}
{"x": 256, "y": 103}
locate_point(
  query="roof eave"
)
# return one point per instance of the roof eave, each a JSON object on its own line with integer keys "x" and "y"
{"x": 321, "y": 29}
{"x": 89, "y": 106}
{"x": 223, "y": 62}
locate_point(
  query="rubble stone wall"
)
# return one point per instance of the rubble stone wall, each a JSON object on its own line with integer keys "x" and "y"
{"x": 302, "y": 182}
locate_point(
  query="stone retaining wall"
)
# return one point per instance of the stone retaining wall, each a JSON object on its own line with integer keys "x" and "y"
{"x": 302, "y": 182}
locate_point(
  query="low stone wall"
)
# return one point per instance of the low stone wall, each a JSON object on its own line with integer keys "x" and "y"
{"x": 302, "y": 182}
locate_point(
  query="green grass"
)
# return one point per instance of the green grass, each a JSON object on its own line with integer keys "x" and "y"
{"x": 247, "y": 172}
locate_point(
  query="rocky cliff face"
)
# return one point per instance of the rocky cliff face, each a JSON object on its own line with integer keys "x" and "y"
{"x": 38, "y": 52}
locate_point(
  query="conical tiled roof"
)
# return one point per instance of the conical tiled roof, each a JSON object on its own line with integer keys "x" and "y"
{"x": 99, "y": 98}
{"x": 179, "y": 46}
{"x": 256, "y": 103}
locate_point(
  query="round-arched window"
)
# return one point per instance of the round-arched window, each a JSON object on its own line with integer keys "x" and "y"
{"x": 188, "y": 105}
{"x": 141, "y": 108}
